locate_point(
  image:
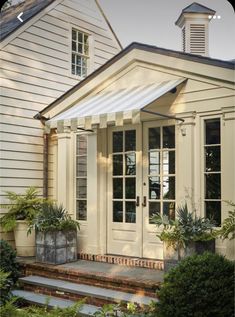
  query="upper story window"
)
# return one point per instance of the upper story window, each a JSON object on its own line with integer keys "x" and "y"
{"x": 80, "y": 53}
{"x": 212, "y": 170}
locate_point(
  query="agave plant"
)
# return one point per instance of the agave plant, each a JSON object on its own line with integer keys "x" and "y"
{"x": 187, "y": 227}
{"x": 53, "y": 217}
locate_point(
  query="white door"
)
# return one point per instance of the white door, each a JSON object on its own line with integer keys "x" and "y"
{"x": 141, "y": 182}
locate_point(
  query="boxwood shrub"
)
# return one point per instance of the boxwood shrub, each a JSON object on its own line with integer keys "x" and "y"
{"x": 200, "y": 286}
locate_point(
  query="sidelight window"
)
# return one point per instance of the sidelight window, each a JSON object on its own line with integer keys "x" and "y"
{"x": 81, "y": 177}
{"x": 212, "y": 170}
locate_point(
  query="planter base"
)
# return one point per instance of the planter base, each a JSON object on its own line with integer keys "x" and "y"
{"x": 25, "y": 244}
{"x": 56, "y": 247}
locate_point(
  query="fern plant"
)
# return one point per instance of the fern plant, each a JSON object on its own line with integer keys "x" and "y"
{"x": 21, "y": 207}
{"x": 227, "y": 230}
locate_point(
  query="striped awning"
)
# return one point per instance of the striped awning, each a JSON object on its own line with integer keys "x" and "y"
{"x": 113, "y": 106}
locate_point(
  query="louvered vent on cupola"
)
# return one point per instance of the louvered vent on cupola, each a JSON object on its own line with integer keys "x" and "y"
{"x": 197, "y": 39}
{"x": 194, "y": 21}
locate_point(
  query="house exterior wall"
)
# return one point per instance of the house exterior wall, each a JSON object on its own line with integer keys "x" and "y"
{"x": 36, "y": 70}
{"x": 202, "y": 97}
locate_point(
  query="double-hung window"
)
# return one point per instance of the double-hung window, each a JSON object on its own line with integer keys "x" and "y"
{"x": 80, "y": 53}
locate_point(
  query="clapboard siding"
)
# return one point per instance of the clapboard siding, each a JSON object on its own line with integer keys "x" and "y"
{"x": 35, "y": 70}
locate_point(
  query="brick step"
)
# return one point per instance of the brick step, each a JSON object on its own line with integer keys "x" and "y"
{"x": 108, "y": 278}
{"x": 40, "y": 300}
{"x": 94, "y": 295}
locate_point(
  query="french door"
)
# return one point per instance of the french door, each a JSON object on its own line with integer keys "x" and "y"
{"x": 141, "y": 182}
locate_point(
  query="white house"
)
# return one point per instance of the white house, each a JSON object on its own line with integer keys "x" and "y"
{"x": 58, "y": 44}
{"x": 147, "y": 131}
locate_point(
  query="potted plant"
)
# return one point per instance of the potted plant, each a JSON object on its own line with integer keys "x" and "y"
{"x": 227, "y": 230}
{"x": 56, "y": 234}
{"x": 184, "y": 236}
{"x": 22, "y": 209}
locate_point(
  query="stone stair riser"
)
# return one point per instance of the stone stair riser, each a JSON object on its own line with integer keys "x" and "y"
{"x": 137, "y": 287}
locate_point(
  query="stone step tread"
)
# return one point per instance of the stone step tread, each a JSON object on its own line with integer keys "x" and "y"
{"x": 40, "y": 299}
{"x": 87, "y": 290}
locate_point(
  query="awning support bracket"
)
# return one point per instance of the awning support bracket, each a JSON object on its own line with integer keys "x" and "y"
{"x": 162, "y": 115}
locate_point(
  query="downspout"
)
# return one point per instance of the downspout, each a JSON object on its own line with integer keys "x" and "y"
{"x": 43, "y": 119}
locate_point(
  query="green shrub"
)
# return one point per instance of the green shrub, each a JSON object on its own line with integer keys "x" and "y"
{"x": 5, "y": 287}
{"x": 200, "y": 286}
{"x": 8, "y": 261}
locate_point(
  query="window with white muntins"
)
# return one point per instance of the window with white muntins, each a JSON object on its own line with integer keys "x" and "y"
{"x": 80, "y": 53}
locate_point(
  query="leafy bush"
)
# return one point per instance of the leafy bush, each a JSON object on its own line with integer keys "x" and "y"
{"x": 10, "y": 310}
{"x": 5, "y": 287}
{"x": 53, "y": 217}
{"x": 200, "y": 286}
{"x": 8, "y": 261}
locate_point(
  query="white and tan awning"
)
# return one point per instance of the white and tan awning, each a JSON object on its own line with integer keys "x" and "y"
{"x": 112, "y": 106}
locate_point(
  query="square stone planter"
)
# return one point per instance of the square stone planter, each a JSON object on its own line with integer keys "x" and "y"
{"x": 56, "y": 247}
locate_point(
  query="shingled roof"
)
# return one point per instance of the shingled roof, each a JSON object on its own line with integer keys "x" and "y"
{"x": 9, "y": 22}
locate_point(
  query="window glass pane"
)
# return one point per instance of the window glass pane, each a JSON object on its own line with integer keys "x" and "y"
{"x": 81, "y": 210}
{"x": 154, "y": 188}
{"x": 130, "y": 188}
{"x": 86, "y": 39}
{"x": 80, "y": 48}
{"x": 212, "y": 158}
{"x": 74, "y": 35}
{"x": 117, "y": 211}
{"x": 213, "y": 190}
{"x": 80, "y": 37}
{"x": 117, "y": 188}
{"x": 117, "y": 164}
{"x": 213, "y": 211}
{"x": 168, "y": 162}
{"x": 154, "y": 208}
{"x": 81, "y": 188}
{"x": 81, "y": 166}
{"x": 130, "y": 141}
{"x": 130, "y": 212}
{"x": 73, "y": 58}
{"x": 79, "y": 60}
{"x": 169, "y": 209}
{"x": 169, "y": 137}
{"x": 168, "y": 187}
{"x": 81, "y": 145}
{"x": 154, "y": 162}
{"x": 84, "y": 62}
{"x": 130, "y": 164}
{"x": 212, "y": 131}
{"x": 74, "y": 46}
{"x": 117, "y": 141}
{"x": 78, "y": 71}
{"x": 154, "y": 138}
{"x": 86, "y": 49}
{"x": 73, "y": 69}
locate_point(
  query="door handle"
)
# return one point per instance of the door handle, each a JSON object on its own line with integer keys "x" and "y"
{"x": 144, "y": 201}
{"x": 137, "y": 203}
